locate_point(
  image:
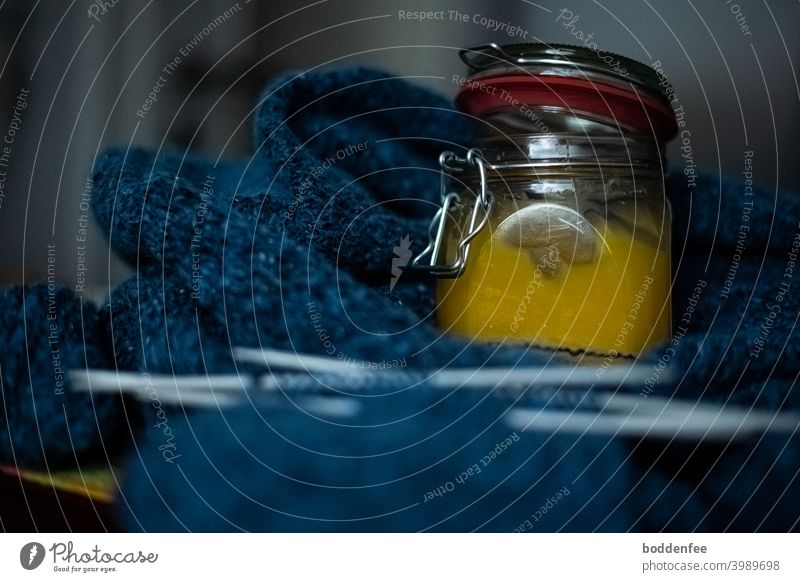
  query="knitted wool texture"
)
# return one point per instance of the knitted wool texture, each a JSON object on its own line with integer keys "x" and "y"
{"x": 304, "y": 265}
{"x": 408, "y": 462}
{"x": 285, "y": 228}
{"x": 289, "y": 239}
{"x": 424, "y": 461}
{"x": 292, "y": 252}
{"x": 46, "y": 331}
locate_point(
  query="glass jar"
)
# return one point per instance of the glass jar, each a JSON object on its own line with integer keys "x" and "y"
{"x": 554, "y": 229}
{"x": 559, "y": 241}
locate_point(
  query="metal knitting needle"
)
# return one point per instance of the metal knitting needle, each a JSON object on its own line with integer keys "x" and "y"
{"x": 112, "y": 381}
{"x": 291, "y": 360}
{"x": 480, "y": 378}
{"x": 650, "y": 417}
{"x": 675, "y": 420}
{"x": 195, "y": 390}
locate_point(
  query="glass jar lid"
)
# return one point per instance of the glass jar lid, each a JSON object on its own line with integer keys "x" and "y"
{"x": 564, "y": 58}
{"x": 532, "y": 82}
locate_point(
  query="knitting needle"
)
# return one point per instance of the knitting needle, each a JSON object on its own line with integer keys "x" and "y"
{"x": 199, "y": 389}
{"x": 481, "y": 378}
{"x": 660, "y": 419}
{"x": 193, "y": 390}
{"x": 291, "y": 360}
{"x": 112, "y": 381}
{"x": 650, "y": 417}
{"x": 687, "y": 419}
{"x": 647, "y": 416}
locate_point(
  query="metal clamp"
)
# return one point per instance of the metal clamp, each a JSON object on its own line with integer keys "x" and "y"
{"x": 477, "y": 57}
{"x": 449, "y": 163}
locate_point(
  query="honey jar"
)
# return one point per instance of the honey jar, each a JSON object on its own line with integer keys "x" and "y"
{"x": 554, "y": 229}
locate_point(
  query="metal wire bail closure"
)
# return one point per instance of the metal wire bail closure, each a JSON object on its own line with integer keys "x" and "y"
{"x": 450, "y": 163}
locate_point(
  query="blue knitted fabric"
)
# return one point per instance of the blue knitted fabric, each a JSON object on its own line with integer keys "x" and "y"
{"x": 419, "y": 461}
{"x": 292, "y": 248}
{"x": 307, "y": 180}
{"x": 155, "y": 327}
{"x": 288, "y": 255}
{"x": 412, "y": 461}
{"x": 741, "y": 344}
{"x": 46, "y": 331}
{"x": 279, "y": 242}
{"x": 294, "y": 251}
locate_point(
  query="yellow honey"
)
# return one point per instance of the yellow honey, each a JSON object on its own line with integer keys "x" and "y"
{"x": 613, "y": 298}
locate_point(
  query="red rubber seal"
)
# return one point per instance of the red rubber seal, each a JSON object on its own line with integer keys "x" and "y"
{"x": 624, "y": 107}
